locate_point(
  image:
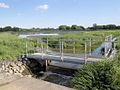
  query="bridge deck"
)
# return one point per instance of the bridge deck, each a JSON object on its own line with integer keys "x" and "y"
{"x": 67, "y": 58}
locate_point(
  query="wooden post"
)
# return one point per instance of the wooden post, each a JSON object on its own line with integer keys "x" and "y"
{"x": 85, "y": 54}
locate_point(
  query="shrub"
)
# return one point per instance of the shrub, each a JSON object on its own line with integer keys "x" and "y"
{"x": 103, "y": 75}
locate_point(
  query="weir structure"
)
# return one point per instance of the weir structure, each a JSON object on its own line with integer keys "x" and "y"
{"x": 68, "y": 53}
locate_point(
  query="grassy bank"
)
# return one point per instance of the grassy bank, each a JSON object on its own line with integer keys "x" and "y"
{"x": 11, "y": 46}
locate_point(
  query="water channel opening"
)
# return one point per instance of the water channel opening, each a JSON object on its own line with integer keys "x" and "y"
{"x": 57, "y": 75}
{"x": 35, "y": 67}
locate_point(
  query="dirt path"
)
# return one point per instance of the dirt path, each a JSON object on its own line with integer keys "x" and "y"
{"x": 32, "y": 84}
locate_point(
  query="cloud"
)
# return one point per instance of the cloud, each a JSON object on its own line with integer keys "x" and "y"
{"x": 42, "y": 7}
{"x": 3, "y": 5}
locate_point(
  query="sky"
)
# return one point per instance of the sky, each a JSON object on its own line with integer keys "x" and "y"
{"x": 52, "y": 13}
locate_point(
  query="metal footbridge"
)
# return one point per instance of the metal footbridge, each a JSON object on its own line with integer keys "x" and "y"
{"x": 61, "y": 57}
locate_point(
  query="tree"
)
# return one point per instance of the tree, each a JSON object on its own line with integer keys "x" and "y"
{"x": 68, "y": 28}
{"x": 74, "y": 27}
{"x": 98, "y": 76}
{"x": 94, "y": 26}
{"x": 62, "y": 27}
{"x": 15, "y": 29}
{"x": 82, "y": 28}
{"x": 1, "y": 29}
{"x": 7, "y": 28}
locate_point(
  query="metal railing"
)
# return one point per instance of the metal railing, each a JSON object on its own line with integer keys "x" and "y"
{"x": 71, "y": 48}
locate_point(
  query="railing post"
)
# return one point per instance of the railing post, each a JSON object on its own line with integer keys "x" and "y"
{"x": 42, "y": 49}
{"x": 62, "y": 51}
{"x": 114, "y": 49}
{"x": 26, "y": 46}
{"x": 90, "y": 46}
{"x": 37, "y": 45}
{"x": 105, "y": 51}
{"x": 114, "y": 45}
{"x": 47, "y": 43}
{"x": 74, "y": 47}
{"x": 46, "y": 65}
{"x": 60, "y": 46}
{"x": 85, "y": 54}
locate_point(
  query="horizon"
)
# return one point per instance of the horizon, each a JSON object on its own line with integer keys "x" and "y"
{"x": 53, "y": 13}
{"x": 57, "y": 26}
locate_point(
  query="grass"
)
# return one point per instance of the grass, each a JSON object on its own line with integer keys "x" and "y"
{"x": 10, "y": 46}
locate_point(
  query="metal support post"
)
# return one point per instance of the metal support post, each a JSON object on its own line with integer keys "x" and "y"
{"x": 85, "y": 54}
{"x": 73, "y": 47}
{"x": 62, "y": 52}
{"x": 90, "y": 46}
{"x": 114, "y": 46}
{"x": 60, "y": 46}
{"x": 26, "y": 47}
{"x": 47, "y": 44}
{"x": 46, "y": 65}
{"x": 105, "y": 50}
{"x": 42, "y": 49}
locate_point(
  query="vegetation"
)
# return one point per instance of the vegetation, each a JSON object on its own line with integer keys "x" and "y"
{"x": 98, "y": 76}
{"x": 73, "y": 27}
{"x": 104, "y": 27}
{"x": 102, "y": 75}
{"x": 11, "y": 47}
{"x": 95, "y": 27}
{"x": 95, "y": 76}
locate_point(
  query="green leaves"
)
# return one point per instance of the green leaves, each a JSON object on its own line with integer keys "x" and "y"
{"x": 98, "y": 76}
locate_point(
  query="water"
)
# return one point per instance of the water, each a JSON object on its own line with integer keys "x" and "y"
{"x": 60, "y": 76}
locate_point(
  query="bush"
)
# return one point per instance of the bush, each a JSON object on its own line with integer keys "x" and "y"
{"x": 98, "y": 76}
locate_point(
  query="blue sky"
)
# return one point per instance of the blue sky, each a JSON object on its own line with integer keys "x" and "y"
{"x": 52, "y": 13}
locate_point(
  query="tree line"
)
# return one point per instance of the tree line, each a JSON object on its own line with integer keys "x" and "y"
{"x": 104, "y": 27}
{"x": 9, "y": 28}
{"x": 64, "y": 28}
{"x": 73, "y": 27}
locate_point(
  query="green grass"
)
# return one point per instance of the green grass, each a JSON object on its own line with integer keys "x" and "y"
{"x": 10, "y": 46}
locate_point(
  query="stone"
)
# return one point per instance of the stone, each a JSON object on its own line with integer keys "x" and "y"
{"x": 15, "y": 68}
{"x": 13, "y": 64}
{"x": 3, "y": 67}
{"x": 0, "y": 69}
{"x": 19, "y": 63}
{"x": 29, "y": 76}
{"x": 11, "y": 71}
{"x": 23, "y": 68}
